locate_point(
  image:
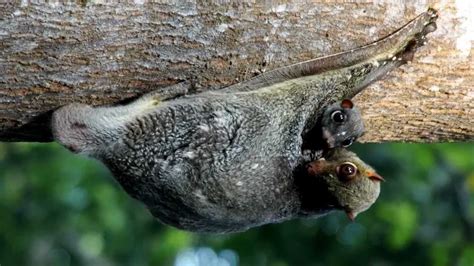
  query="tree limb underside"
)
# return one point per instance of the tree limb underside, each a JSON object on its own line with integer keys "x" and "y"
{"x": 55, "y": 54}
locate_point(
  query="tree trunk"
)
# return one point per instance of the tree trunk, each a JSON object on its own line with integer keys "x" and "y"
{"x": 55, "y": 54}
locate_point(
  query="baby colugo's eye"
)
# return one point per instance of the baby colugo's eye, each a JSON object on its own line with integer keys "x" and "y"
{"x": 346, "y": 171}
{"x": 338, "y": 116}
{"x": 347, "y": 142}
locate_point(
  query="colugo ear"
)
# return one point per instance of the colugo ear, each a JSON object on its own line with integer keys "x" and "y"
{"x": 346, "y": 103}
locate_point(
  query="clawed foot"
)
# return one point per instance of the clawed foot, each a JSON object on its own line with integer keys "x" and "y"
{"x": 420, "y": 38}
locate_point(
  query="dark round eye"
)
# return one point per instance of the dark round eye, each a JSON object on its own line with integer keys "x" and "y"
{"x": 338, "y": 116}
{"x": 347, "y": 142}
{"x": 346, "y": 171}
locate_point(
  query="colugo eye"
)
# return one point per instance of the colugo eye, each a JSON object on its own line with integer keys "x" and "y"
{"x": 338, "y": 116}
{"x": 346, "y": 171}
{"x": 347, "y": 142}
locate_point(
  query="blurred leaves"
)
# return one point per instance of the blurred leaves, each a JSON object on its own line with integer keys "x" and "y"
{"x": 57, "y": 208}
{"x": 401, "y": 221}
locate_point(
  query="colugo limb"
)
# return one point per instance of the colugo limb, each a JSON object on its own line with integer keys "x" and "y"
{"x": 220, "y": 162}
{"x": 392, "y": 46}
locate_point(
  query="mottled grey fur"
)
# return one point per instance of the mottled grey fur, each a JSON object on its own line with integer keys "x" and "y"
{"x": 225, "y": 161}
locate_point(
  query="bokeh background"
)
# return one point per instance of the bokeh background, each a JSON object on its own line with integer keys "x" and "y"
{"x": 57, "y": 208}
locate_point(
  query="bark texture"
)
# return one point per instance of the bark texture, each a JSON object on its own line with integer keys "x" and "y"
{"x": 103, "y": 53}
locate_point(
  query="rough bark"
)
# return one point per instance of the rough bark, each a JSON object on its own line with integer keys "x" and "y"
{"x": 54, "y": 54}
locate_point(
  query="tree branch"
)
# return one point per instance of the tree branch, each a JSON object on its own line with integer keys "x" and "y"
{"x": 54, "y": 54}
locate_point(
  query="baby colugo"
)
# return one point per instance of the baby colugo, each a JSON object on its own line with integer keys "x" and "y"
{"x": 340, "y": 125}
{"x": 222, "y": 162}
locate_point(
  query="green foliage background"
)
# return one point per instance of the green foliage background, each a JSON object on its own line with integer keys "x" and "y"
{"x": 57, "y": 208}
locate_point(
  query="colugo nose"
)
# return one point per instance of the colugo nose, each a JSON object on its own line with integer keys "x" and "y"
{"x": 315, "y": 168}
